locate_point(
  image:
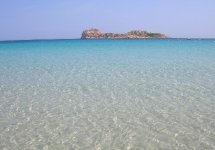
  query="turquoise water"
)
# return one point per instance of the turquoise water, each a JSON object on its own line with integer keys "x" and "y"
{"x": 107, "y": 94}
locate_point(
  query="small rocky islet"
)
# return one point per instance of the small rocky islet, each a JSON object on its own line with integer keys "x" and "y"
{"x": 94, "y": 33}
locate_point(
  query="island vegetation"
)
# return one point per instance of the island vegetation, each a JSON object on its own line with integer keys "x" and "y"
{"x": 135, "y": 34}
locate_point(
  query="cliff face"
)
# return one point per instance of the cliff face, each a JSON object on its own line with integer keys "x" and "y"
{"x": 96, "y": 34}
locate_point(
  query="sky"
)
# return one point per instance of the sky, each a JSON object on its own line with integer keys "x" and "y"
{"x": 66, "y": 19}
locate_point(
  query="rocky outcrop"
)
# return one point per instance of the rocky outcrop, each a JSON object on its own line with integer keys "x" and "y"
{"x": 92, "y": 33}
{"x": 136, "y": 34}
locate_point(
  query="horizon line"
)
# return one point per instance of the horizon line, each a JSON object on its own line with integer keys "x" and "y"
{"x": 26, "y": 40}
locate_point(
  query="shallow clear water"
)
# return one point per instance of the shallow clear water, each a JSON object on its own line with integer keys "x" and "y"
{"x": 107, "y": 94}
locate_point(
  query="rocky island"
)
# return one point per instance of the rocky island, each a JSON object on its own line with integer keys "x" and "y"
{"x": 135, "y": 34}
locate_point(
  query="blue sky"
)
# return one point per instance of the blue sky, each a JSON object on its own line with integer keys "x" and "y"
{"x": 51, "y": 19}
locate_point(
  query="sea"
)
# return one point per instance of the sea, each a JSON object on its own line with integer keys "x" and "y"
{"x": 107, "y": 94}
